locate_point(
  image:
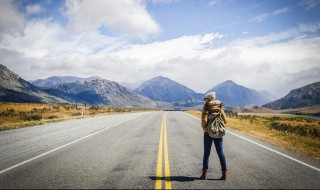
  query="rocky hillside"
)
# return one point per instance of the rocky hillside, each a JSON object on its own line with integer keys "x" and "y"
{"x": 55, "y": 80}
{"x": 166, "y": 90}
{"x": 305, "y": 96}
{"x": 233, "y": 94}
{"x": 101, "y": 92}
{"x": 15, "y": 89}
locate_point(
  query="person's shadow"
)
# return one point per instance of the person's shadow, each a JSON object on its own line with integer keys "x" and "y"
{"x": 178, "y": 178}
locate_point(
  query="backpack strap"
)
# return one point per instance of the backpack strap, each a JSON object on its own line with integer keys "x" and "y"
{"x": 206, "y": 109}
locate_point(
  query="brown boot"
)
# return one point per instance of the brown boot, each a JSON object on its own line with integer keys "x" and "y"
{"x": 224, "y": 175}
{"x": 204, "y": 175}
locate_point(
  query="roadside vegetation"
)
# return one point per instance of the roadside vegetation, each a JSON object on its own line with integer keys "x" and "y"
{"x": 19, "y": 115}
{"x": 295, "y": 134}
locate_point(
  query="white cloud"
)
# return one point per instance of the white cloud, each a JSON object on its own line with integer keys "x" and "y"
{"x": 277, "y": 62}
{"x": 45, "y": 38}
{"x": 165, "y": 1}
{"x": 11, "y": 20}
{"x": 185, "y": 46}
{"x": 214, "y": 2}
{"x": 268, "y": 67}
{"x": 300, "y": 31}
{"x": 126, "y": 17}
{"x": 264, "y": 16}
{"x": 280, "y": 11}
{"x": 34, "y": 9}
{"x": 309, "y": 4}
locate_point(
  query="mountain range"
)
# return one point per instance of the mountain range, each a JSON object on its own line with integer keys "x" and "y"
{"x": 305, "y": 96}
{"x": 55, "y": 80}
{"x": 15, "y": 89}
{"x": 233, "y": 94}
{"x": 100, "y": 92}
{"x": 158, "y": 92}
{"x": 166, "y": 90}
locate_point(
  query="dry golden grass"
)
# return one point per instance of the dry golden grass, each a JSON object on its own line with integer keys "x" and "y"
{"x": 259, "y": 127}
{"x": 29, "y": 114}
{"x": 283, "y": 115}
{"x": 304, "y": 110}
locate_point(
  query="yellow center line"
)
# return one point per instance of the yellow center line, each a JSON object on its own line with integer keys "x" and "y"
{"x": 159, "y": 165}
{"x": 166, "y": 158}
{"x": 163, "y": 141}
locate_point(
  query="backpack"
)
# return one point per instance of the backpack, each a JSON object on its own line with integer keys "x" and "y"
{"x": 216, "y": 126}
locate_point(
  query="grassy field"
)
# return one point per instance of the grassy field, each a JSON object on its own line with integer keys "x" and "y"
{"x": 310, "y": 110}
{"x": 281, "y": 115}
{"x": 18, "y": 115}
{"x": 295, "y": 134}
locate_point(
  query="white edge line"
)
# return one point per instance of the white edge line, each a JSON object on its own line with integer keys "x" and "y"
{"x": 31, "y": 159}
{"x": 303, "y": 163}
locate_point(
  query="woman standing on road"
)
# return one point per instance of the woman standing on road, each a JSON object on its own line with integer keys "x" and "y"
{"x": 212, "y": 105}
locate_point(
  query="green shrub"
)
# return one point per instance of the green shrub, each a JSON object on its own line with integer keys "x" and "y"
{"x": 35, "y": 116}
{"x": 52, "y": 117}
{"x": 35, "y": 110}
{"x": 8, "y": 112}
{"x": 76, "y": 114}
{"x": 65, "y": 107}
{"x": 56, "y": 107}
{"x": 28, "y": 117}
{"x": 314, "y": 132}
{"x": 300, "y": 130}
{"x": 95, "y": 108}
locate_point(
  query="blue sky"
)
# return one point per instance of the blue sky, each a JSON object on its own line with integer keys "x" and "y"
{"x": 268, "y": 45}
{"x": 230, "y": 17}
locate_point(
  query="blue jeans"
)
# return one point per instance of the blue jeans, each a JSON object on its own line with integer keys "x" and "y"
{"x": 207, "y": 148}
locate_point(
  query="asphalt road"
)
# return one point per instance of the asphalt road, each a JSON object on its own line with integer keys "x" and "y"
{"x": 122, "y": 151}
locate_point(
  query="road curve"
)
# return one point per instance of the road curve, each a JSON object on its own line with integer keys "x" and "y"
{"x": 122, "y": 151}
